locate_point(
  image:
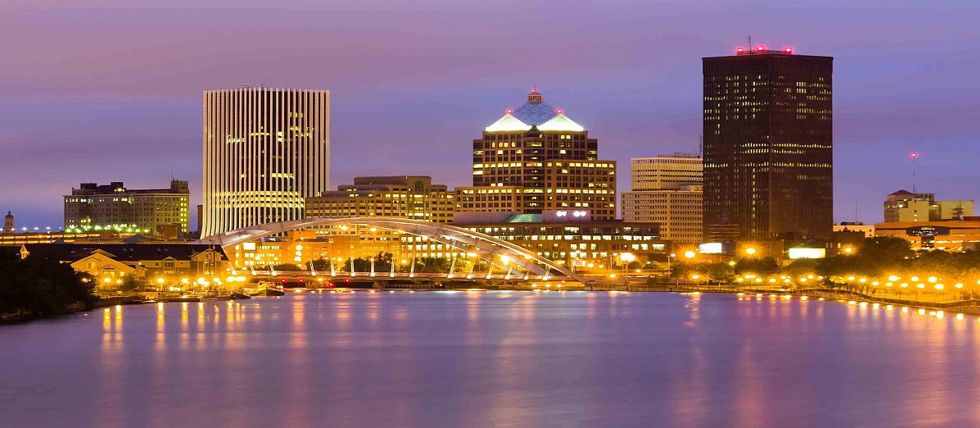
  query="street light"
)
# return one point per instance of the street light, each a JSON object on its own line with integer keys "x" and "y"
{"x": 690, "y": 254}
{"x": 751, "y": 251}
{"x": 627, "y": 258}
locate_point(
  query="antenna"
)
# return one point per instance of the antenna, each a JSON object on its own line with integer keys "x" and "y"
{"x": 913, "y": 156}
{"x": 701, "y": 145}
{"x": 750, "y": 43}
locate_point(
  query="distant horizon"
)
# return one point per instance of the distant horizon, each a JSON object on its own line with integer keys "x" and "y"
{"x": 99, "y": 92}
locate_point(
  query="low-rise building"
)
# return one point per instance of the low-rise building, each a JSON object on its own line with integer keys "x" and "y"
{"x": 855, "y": 226}
{"x": 947, "y": 235}
{"x": 113, "y": 206}
{"x": 61, "y": 237}
{"x": 904, "y": 206}
{"x": 413, "y": 197}
{"x": 300, "y": 247}
{"x": 112, "y": 264}
{"x": 572, "y": 238}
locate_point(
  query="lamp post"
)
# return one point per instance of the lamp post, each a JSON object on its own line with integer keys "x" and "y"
{"x": 626, "y": 258}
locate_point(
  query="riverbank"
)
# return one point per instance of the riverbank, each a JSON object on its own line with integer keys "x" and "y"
{"x": 25, "y": 316}
{"x": 971, "y": 306}
{"x": 844, "y": 296}
{"x": 103, "y": 302}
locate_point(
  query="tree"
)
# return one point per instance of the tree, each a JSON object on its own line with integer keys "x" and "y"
{"x": 758, "y": 266}
{"x": 41, "y": 286}
{"x": 801, "y": 267}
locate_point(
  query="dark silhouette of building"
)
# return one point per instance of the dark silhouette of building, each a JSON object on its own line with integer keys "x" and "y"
{"x": 768, "y": 145}
{"x": 8, "y": 223}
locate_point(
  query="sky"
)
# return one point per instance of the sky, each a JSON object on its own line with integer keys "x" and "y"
{"x": 99, "y": 91}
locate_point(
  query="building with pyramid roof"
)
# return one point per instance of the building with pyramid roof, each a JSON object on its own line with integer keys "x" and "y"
{"x": 535, "y": 159}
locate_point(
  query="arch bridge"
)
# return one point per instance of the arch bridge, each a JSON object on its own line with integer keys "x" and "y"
{"x": 504, "y": 260}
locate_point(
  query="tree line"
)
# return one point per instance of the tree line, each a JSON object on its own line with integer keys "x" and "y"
{"x": 874, "y": 257}
{"x": 37, "y": 286}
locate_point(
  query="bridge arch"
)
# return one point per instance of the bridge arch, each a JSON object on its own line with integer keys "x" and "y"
{"x": 486, "y": 247}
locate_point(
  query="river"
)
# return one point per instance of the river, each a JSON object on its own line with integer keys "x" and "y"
{"x": 471, "y": 359}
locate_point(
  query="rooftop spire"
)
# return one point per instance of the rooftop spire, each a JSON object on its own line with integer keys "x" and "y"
{"x": 535, "y": 97}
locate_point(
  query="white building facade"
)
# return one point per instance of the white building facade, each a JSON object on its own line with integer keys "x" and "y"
{"x": 667, "y": 190}
{"x": 265, "y": 151}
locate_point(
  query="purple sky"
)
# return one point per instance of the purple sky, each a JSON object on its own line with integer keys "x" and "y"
{"x": 110, "y": 90}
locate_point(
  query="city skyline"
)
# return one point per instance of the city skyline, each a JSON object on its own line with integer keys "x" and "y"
{"x": 894, "y": 94}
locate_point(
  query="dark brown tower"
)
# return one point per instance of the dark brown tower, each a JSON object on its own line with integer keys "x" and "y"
{"x": 768, "y": 146}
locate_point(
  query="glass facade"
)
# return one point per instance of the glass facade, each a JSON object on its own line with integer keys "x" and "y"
{"x": 768, "y": 146}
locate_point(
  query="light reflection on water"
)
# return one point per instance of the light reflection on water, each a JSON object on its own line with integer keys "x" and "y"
{"x": 495, "y": 358}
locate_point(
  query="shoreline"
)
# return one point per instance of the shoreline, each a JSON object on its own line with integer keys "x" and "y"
{"x": 971, "y": 307}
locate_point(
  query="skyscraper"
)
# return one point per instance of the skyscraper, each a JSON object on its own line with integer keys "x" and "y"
{"x": 265, "y": 151}
{"x": 535, "y": 159}
{"x": 768, "y": 145}
{"x": 667, "y": 189}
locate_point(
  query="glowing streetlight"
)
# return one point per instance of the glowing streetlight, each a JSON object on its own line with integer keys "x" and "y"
{"x": 690, "y": 254}
{"x": 751, "y": 251}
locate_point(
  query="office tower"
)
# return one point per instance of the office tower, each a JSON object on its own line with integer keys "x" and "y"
{"x": 667, "y": 190}
{"x": 265, "y": 151}
{"x": 114, "y": 207}
{"x": 536, "y": 159}
{"x": 413, "y": 197}
{"x": 666, "y": 172}
{"x": 768, "y": 145}
{"x": 904, "y": 206}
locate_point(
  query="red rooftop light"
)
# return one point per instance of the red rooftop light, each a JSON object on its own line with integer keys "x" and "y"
{"x": 559, "y": 111}
{"x": 788, "y": 50}
{"x": 739, "y": 50}
{"x": 509, "y": 111}
{"x": 760, "y": 48}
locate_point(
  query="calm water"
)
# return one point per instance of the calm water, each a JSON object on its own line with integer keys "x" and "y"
{"x": 493, "y": 359}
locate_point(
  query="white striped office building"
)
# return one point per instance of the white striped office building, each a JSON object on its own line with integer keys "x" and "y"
{"x": 265, "y": 151}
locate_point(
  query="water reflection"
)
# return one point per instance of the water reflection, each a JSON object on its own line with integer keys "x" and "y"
{"x": 497, "y": 358}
